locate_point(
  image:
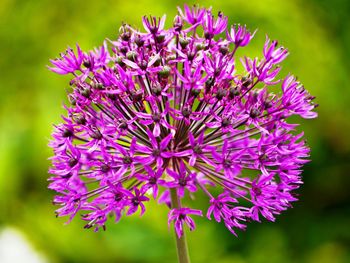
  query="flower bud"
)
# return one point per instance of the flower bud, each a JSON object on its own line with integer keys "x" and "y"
{"x": 223, "y": 50}
{"x": 221, "y": 93}
{"x": 95, "y": 133}
{"x": 79, "y": 119}
{"x": 139, "y": 41}
{"x": 195, "y": 92}
{"x": 123, "y": 49}
{"x": 165, "y": 72}
{"x": 157, "y": 90}
{"x": 86, "y": 92}
{"x": 87, "y": 63}
{"x": 131, "y": 55}
{"x": 183, "y": 42}
{"x": 233, "y": 92}
{"x": 254, "y": 113}
{"x": 160, "y": 39}
{"x": 67, "y": 133}
{"x": 177, "y": 23}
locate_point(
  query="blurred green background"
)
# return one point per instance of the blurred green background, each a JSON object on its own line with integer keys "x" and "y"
{"x": 317, "y": 230}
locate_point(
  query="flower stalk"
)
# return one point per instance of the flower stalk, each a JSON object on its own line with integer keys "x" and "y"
{"x": 181, "y": 242}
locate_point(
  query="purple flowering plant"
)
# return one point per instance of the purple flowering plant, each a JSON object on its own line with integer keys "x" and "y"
{"x": 163, "y": 113}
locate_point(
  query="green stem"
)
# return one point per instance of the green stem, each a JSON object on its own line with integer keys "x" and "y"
{"x": 181, "y": 243}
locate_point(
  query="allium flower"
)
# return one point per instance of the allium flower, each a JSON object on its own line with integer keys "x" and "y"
{"x": 180, "y": 216}
{"x": 164, "y": 113}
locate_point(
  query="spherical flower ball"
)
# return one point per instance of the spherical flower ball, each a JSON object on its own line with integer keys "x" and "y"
{"x": 164, "y": 113}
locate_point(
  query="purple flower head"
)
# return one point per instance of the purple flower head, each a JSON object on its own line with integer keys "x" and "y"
{"x": 192, "y": 15}
{"x": 182, "y": 180}
{"x": 166, "y": 113}
{"x": 153, "y": 25}
{"x": 180, "y": 216}
{"x": 274, "y": 53}
{"x": 239, "y": 35}
{"x": 152, "y": 180}
{"x": 136, "y": 201}
{"x": 69, "y": 62}
{"x": 213, "y": 26}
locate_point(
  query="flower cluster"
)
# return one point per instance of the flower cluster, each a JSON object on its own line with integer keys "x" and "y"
{"x": 165, "y": 113}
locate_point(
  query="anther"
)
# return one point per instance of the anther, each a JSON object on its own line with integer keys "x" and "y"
{"x": 225, "y": 122}
{"x": 160, "y": 39}
{"x": 156, "y": 117}
{"x": 79, "y": 119}
{"x": 105, "y": 168}
{"x": 254, "y": 113}
{"x": 123, "y": 49}
{"x": 197, "y": 149}
{"x": 137, "y": 96}
{"x": 221, "y": 93}
{"x": 127, "y": 160}
{"x": 95, "y": 133}
{"x": 156, "y": 152}
{"x": 123, "y": 125}
{"x": 186, "y": 112}
{"x": 125, "y": 35}
{"x": 227, "y": 163}
{"x": 223, "y": 50}
{"x": 165, "y": 72}
{"x": 233, "y": 92}
{"x": 182, "y": 182}
{"x": 246, "y": 82}
{"x": 86, "y": 92}
{"x": 67, "y": 133}
{"x": 152, "y": 180}
{"x": 195, "y": 92}
{"x": 87, "y": 63}
{"x": 131, "y": 55}
{"x": 183, "y": 42}
{"x": 72, "y": 162}
{"x": 139, "y": 41}
{"x": 157, "y": 90}
{"x": 143, "y": 65}
{"x": 177, "y": 23}
{"x": 209, "y": 82}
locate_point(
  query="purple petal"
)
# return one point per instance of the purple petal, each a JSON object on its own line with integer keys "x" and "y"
{"x": 164, "y": 143}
